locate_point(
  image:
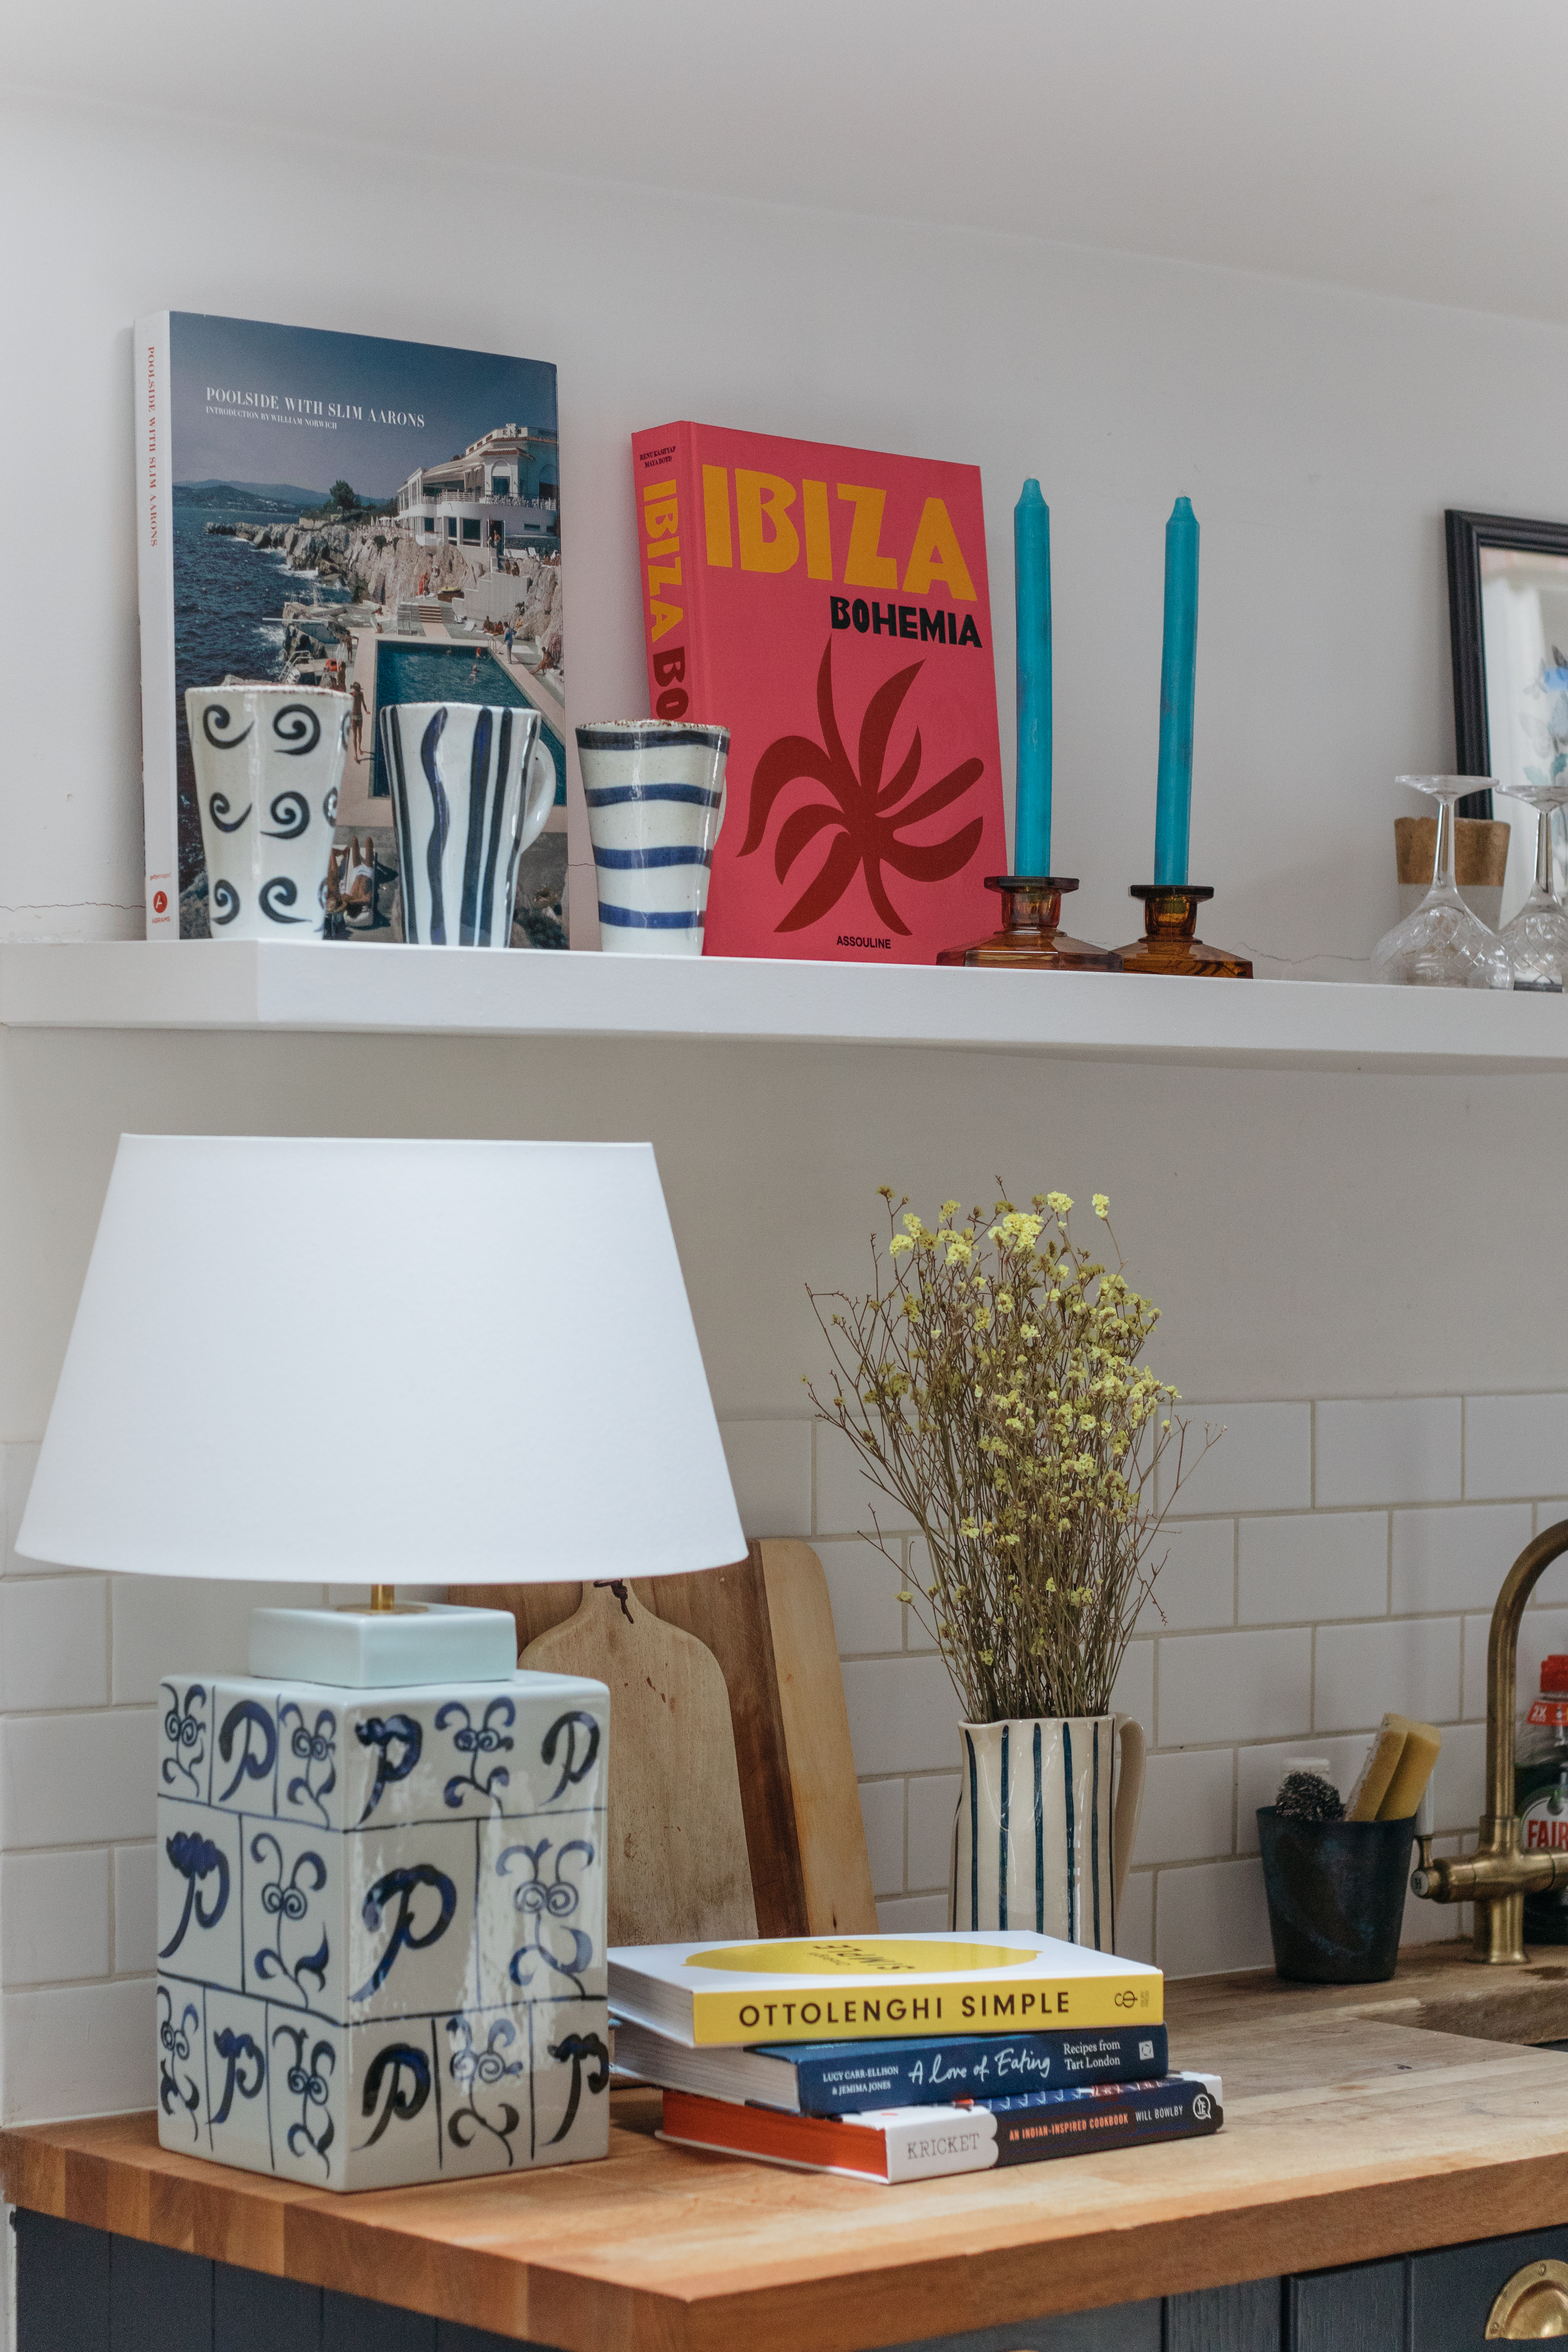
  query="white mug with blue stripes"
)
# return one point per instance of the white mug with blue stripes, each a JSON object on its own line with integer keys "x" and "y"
{"x": 655, "y": 790}
{"x": 472, "y": 785}
{"x": 1047, "y": 1814}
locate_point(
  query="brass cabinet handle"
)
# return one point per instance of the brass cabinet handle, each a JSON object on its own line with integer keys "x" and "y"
{"x": 1533, "y": 2305}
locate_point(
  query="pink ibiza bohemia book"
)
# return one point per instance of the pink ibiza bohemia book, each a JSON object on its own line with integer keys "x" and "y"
{"x": 830, "y": 607}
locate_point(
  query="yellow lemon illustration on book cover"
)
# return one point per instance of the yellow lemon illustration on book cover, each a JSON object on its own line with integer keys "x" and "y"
{"x": 854, "y": 1956}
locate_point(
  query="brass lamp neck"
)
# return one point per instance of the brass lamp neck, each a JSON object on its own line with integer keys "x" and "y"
{"x": 383, "y": 1600}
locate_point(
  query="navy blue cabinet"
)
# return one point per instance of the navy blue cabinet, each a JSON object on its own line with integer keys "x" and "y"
{"x": 80, "y": 2290}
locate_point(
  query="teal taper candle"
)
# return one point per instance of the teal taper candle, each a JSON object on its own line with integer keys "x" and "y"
{"x": 1178, "y": 673}
{"x": 1032, "y": 574}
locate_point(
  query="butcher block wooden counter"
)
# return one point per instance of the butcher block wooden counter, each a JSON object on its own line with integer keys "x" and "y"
{"x": 1360, "y": 2122}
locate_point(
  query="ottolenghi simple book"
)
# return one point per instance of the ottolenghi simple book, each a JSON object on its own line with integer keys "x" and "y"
{"x": 841, "y": 1988}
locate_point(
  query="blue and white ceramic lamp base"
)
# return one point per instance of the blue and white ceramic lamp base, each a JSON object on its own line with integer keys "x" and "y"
{"x": 381, "y": 1927}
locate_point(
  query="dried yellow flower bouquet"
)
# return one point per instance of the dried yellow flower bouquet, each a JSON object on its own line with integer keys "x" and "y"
{"x": 990, "y": 1385}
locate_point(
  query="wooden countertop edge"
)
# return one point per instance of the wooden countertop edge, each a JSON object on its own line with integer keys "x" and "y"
{"x": 364, "y": 2246}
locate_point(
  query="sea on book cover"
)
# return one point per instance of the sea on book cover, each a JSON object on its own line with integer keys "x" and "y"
{"x": 333, "y": 510}
{"x": 829, "y": 606}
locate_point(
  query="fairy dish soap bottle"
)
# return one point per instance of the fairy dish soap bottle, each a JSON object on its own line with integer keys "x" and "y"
{"x": 1541, "y": 1793}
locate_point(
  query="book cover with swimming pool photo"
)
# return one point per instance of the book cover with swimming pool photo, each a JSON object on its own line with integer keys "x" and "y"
{"x": 321, "y": 510}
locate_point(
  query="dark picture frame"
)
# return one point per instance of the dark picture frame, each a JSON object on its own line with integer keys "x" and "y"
{"x": 1468, "y": 533}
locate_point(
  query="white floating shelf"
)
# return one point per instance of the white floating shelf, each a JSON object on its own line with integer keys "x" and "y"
{"x": 475, "y": 991}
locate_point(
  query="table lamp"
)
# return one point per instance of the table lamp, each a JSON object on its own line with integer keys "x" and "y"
{"x": 381, "y": 1855}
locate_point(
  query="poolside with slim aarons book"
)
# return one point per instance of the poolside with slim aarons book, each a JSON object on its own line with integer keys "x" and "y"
{"x": 829, "y": 606}
{"x": 830, "y": 1988}
{"x": 324, "y": 510}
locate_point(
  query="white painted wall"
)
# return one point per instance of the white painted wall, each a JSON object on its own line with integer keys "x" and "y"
{"x": 1310, "y": 1237}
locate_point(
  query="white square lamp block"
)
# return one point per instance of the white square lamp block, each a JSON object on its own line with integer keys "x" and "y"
{"x": 381, "y": 1927}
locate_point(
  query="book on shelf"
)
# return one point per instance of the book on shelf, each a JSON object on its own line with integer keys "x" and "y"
{"x": 929, "y": 2143}
{"x": 876, "y": 1988}
{"x": 342, "y": 510}
{"x": 829, "y": 606}
{"x": 832, "y": 2078}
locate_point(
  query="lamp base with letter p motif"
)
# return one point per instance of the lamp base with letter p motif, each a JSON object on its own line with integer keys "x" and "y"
{"x": 381, "y": 1927}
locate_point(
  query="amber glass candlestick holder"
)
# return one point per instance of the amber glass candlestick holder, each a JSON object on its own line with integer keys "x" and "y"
{"x": 1170, "y": 918}
{"x": 1030, "y": 938}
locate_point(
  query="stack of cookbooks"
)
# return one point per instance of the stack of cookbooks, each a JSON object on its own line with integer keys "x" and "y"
{"x": 903, "y": 2057}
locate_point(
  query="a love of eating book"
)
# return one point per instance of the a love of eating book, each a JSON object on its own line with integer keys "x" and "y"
{"x": 861, "y": 1988}
{"x": 829, "y": 606}
{"x": 931, "y": 2142}
{"x": 834, "y": 2078}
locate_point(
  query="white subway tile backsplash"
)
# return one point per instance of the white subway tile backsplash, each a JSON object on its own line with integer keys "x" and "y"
{"x": 54, "y": 1641}
{"x": 135, "y": 1909}
{"x": 1263, "y": 1462}
{"x": 1410, "y": 1667}
{"x": 770, "y": 1469}
{"x": 1459, "y": 1778}
{"x": 1212, "y": 1916}
{"x": 164, "y": 1623}
{"x": 17, "y": 1463}
{"x": 1388, "y": 1450}
{"x": 1432, "y": 1923}
{"x": 75, "y": 1780}
{"x": 1553, "y": 1587}
{"x": 1259, "y": 1771}
{"x": 77, "y": 2049}
{"x": 933, "y": 1803}
{"x": 1229, "y": 1686}
{"x": 917, "y": 1634}
{"x": 1454, "y": 1559}
{"x": 1313, "y": 1564}
{"x": 53, "y": 1916}
{"x": 848, "y": 1504}
{"x": 1187, "y": 1807}
{"x": 1259, "y": 1558}
{"x": 882, "y": 1810}
{"x": 1135, "y": 1917}
{"x": 868, "y": 1615}
{"x": 1196, "y": 1589}
{"x": 911, "y": 1915}
{"x": 903, "y": 1716}
{"x": 1515, "y": 1444}
{"x": 1132, "y": 1692}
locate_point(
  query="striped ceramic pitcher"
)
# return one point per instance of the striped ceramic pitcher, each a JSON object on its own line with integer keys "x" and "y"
{"x": 1047, "y": 1813}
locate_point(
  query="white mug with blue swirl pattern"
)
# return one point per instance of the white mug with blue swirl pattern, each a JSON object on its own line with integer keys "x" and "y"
{"x": 268, "y": 760}
{"x": 472, "y": 783}
{"x": 655, "y": 790}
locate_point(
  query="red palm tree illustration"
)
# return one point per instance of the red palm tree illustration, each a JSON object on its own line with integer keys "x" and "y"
{"x": 867, "y": 815}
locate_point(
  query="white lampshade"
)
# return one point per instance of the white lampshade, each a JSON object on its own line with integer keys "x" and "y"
{"x": 375, "y": 1362}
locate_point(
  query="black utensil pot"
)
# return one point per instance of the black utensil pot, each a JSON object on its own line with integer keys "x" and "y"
{"x": 1336, "y": 1895}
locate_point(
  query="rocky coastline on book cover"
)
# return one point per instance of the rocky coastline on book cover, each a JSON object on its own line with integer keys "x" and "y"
{"x": 830, "y": 606}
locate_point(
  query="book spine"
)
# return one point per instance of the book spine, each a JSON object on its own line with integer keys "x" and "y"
{"x": 155, "y": 600}
{"x": 670, "y": 524}
{"x": 976, "y": 2066}
{"x": 1181, "y": 2107}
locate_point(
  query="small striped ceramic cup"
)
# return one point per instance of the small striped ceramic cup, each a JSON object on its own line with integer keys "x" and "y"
{"x": 654, "y": 789}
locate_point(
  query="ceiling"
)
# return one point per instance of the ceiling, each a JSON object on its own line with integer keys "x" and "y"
{"x": 1412, "y": 147}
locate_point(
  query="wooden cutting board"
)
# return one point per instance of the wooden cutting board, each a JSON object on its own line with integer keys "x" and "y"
{"x": 768, "y": 1622}
{"x": 678, "y": 1870}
